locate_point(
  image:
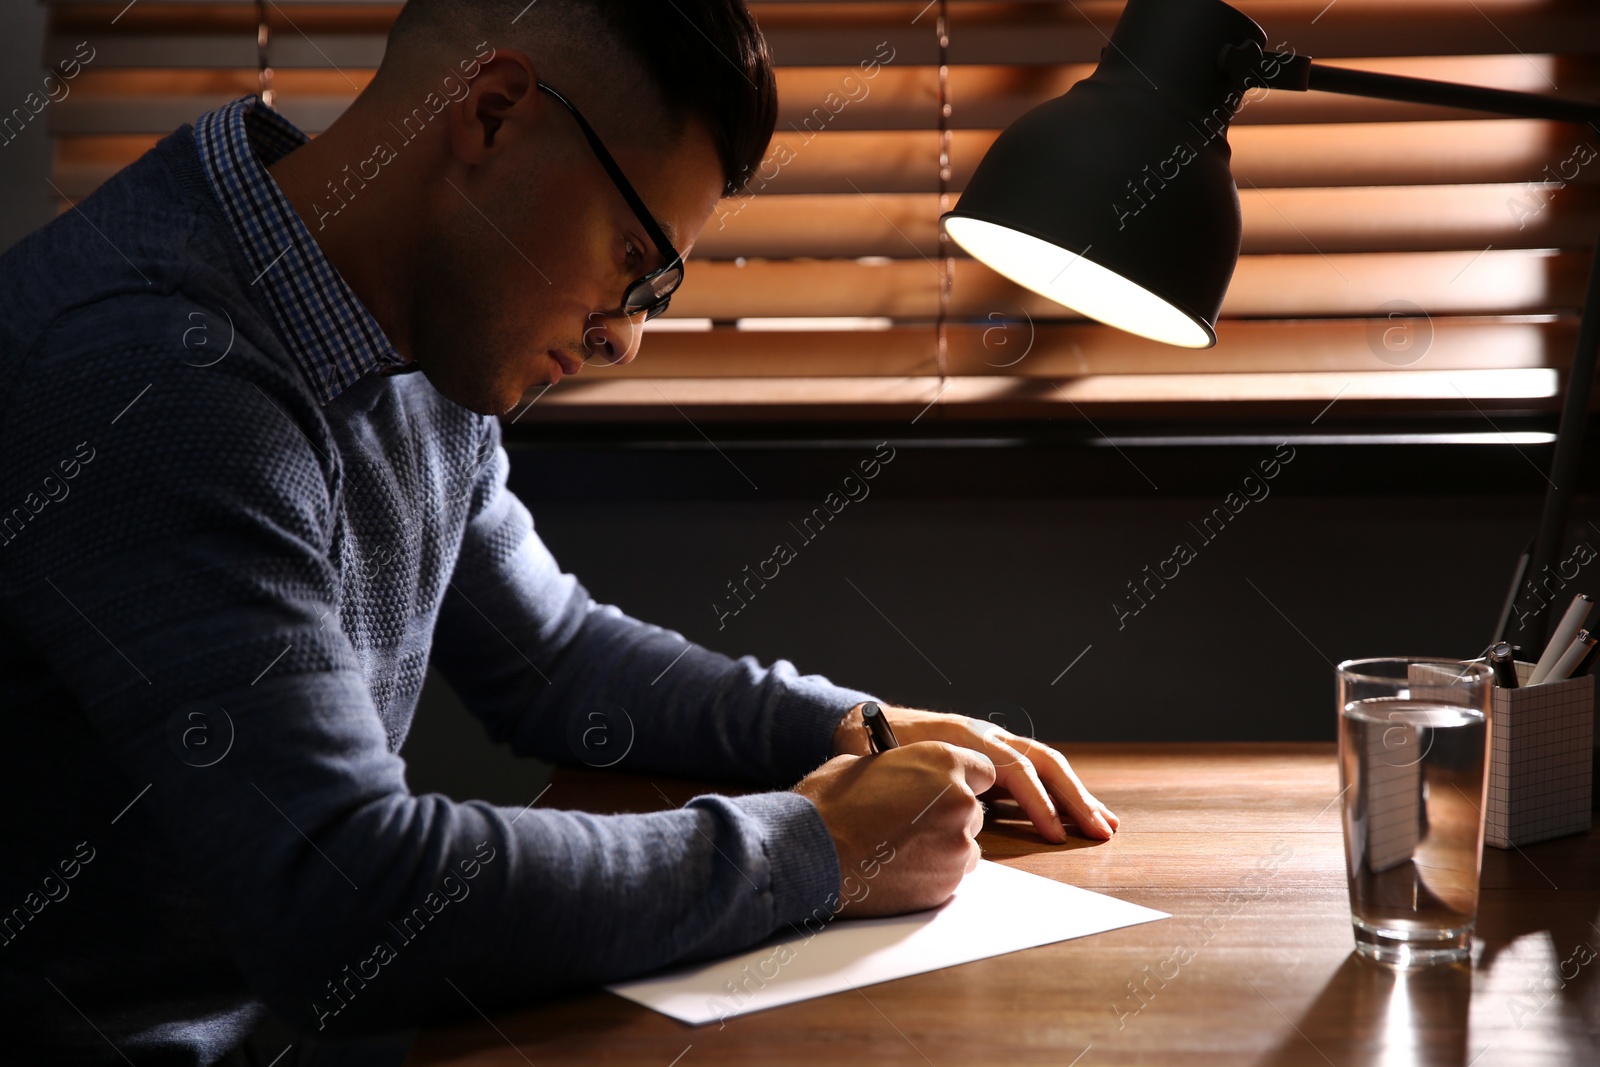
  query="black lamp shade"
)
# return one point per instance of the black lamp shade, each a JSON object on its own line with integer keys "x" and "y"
{"x": 1116, "y": 198}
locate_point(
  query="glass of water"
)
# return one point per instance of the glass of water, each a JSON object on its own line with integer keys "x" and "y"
{"x": 1413, "y": 746}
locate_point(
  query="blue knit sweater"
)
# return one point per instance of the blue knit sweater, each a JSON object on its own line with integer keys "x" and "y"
{"x": 218, "y": 600}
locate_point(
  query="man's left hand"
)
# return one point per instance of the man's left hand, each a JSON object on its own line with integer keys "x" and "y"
{"x": 1037, "y": 777}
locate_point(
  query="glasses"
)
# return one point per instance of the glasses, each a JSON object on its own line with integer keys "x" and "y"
{"x": 651, "y": 293}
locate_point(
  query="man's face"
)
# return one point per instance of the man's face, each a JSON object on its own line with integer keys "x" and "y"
{"x": 525, "y": 266}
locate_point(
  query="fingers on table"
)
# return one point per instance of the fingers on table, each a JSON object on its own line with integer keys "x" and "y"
{"x": 1021, "y": 780}
{"x": 1062, "y": 782}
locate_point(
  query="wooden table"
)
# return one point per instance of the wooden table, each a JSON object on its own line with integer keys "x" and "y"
{"x": 1241, "y": 843}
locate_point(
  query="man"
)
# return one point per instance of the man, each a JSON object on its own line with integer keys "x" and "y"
{"x": 238, "y": 528}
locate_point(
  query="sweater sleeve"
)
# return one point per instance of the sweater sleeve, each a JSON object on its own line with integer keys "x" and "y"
{"x": 184, "y": 582}
{"x": 568, "y": 680}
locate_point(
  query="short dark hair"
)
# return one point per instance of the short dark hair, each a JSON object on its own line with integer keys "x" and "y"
{"x": 706, "y": 58}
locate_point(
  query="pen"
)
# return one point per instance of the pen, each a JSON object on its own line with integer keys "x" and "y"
{"x": 1587, "y": 661}
{"x": 877, "y": 724}
{"x": 1505, "y": 672}
{"x": 1565, "y": 631}
{"x": 1574, "y": 654}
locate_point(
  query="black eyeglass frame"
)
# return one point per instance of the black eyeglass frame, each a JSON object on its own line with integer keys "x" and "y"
{"x": 646, "y": 294}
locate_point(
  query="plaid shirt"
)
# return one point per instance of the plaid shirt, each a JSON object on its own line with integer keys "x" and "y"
{"x": 330, "y": 332}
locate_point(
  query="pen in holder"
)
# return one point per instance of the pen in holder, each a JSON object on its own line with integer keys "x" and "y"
{"x": 1540, "y": 761}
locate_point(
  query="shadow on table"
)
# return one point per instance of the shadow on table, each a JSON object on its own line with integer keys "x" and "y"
{"x": 1007, "y": 832}
{"x": 1369, "y": 1013}
{"x": 568, "y": 1023}
{"x": 1561, "y": 977}
{"x": 1545, "y": 896}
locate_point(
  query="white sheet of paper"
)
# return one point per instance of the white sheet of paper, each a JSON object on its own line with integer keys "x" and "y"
{"x": 996, "y": 910}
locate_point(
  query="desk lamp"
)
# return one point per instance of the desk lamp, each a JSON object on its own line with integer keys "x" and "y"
{"x": 1116, "y": 199}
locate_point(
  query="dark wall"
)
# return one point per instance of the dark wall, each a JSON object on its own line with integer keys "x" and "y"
{"x": 991, "y": 578}
{"x": 956, "y": 605}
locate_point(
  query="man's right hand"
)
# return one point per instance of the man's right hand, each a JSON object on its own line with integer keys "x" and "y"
{"x": 903, "y": 823}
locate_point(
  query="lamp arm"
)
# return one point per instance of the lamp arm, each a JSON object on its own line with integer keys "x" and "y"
{"x": 1449, "y": 94}
{"x": 1251, "y": 66}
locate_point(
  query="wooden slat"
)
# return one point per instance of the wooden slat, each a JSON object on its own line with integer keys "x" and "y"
{"x": 992, "y": 97}
{"x": 1375, "y": 219}
{"x": 1000, "y": 392}
{"x": 1405, "y": 153}
{"x": 898, "y": 96}
{"x": 1025, "y": 348}
{"x": 727, "y": 352}
{"x": 904, "y": 161}
{"x": 107, "y": 101}
{"x": 957, "y": 400}
{"x": 110, "y": 82}
{"x": 210, "y": 16}
{"x": 235, "y": 49}
{"x": 837, "y": 34}
{"x": 126, "y": 115}
{"x": 1418, "y": 219}
{"x": 1049, "y": 33}
{"x": 1490, "y": 282}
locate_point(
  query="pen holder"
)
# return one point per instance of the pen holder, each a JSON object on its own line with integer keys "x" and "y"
{"x": 1540, "y": 760}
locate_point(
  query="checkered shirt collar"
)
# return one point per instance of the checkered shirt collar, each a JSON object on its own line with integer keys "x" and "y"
{"x": 332, "y": 335}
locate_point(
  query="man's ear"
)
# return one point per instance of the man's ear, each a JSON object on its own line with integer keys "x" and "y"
{"x": 504, "y": 90}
